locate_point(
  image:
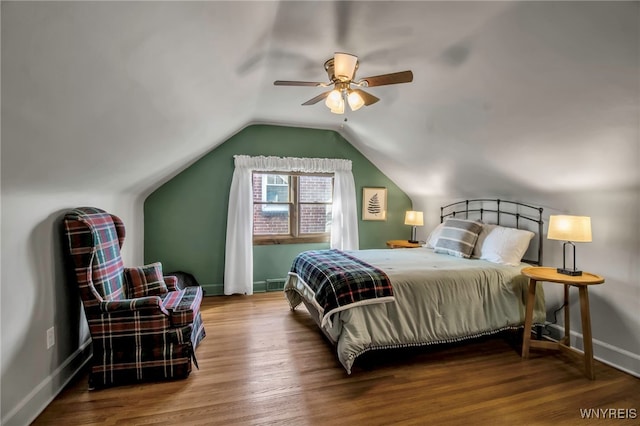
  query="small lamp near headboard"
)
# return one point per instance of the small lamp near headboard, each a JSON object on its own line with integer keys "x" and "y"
{"x": 571, "y": 229}
{"x": 414, "y": 219}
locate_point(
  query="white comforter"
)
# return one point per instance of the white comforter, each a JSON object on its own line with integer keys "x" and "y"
{"x": 438, "y": 298}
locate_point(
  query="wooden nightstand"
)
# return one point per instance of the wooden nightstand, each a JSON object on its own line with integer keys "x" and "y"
{"x": 583, "y": 281}
{"x": 401, "y": 244}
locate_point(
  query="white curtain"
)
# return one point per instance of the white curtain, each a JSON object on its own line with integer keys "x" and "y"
{"x": 238, "y": 268}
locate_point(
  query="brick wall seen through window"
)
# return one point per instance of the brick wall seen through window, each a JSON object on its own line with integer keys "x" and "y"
{"x": 291, "y": 207}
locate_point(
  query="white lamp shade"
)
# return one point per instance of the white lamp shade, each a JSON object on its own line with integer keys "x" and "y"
{"x": 355, "y": 101}
{"x": 576, "y": 229}
{"x": 344, "y": 65}
{"x": 414, "y": 218}
{"x": 339, "y": 109}
{"x": 334, "y": 99}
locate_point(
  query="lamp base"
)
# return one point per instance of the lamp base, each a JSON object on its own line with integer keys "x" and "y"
{"x": 413, "y": 241}
{"x": 571, "y": 272}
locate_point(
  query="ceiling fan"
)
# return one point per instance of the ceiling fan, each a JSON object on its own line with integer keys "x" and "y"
{"x": 341, "y": 70}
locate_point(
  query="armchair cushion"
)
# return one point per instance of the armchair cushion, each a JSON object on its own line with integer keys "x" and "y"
{"x": 145, "y": 281}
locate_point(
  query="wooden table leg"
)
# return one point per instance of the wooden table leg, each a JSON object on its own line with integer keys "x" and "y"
{"x": 528, "y": 318}
{"x": 586, "y": 332}
{"x": 567, "y": 318}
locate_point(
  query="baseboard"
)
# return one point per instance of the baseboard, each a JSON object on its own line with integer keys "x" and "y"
{"x": 606, "y": 353}
{"x": 30, "y": 407}
{"x": 213, "y": 289}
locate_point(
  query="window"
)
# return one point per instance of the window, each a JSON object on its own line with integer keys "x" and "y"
{"x": 291, "y": 208}
{"x": 275, "y": 188}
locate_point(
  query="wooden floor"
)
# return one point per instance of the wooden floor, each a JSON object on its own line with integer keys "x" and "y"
{"x": 263, "y": 364}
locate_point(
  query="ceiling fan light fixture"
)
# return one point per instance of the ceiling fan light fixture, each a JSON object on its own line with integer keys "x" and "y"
{"x": 355, "y": 100}
{"x": 345, "y": 66}
{"x": 334, "y": 100}
{"x": 341, "y": 70}
{"x": 339, "y": 110}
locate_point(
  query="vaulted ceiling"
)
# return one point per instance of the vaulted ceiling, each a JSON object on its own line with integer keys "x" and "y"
{"x": 507, "y": 96}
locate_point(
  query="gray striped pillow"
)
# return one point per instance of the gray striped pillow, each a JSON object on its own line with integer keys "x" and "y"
{"x": 458, "y": 237}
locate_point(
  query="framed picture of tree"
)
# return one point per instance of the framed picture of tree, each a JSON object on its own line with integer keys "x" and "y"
{"x": 374, "y": 203}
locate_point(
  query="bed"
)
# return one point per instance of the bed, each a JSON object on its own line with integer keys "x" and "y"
{"x": 443, "y": 292}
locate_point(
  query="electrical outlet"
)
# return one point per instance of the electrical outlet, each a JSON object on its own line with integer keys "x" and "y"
{"x": 51, "y": 337}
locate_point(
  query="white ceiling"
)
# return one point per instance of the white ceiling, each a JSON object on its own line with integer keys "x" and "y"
{"x": 506, "y": 97}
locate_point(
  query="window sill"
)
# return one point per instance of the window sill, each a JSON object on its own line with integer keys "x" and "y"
{"x": 276, "y": 240}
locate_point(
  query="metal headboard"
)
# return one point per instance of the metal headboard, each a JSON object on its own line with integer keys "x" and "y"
{"x": 477, "y": 209}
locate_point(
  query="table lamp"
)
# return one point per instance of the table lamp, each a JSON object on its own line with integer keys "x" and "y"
{"x": 571, "y": 229}
{"x": 414, "y": 219}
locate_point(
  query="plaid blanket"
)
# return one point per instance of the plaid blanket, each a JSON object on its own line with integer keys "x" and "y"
{"x": 340, "y": 281}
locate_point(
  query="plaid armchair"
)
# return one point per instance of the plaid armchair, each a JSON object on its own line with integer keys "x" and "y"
{"x": 143, "y": 327}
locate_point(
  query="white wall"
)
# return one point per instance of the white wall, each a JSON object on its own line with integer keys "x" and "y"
{"x": 613, "y": 254}
{"x": 36, "y": 295}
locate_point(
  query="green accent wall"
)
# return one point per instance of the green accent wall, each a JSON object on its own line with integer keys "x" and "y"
{"x": 185, "y": 220}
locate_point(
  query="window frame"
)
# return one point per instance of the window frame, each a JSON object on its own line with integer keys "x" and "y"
{"x": 294, "y": 204}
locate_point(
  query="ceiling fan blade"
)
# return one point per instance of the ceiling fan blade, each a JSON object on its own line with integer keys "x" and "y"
{"x": 298, "y": 83}
{"x": 392, "y": 78}
{"x": 368, "y": 98}
{"x": 317, "y": 99}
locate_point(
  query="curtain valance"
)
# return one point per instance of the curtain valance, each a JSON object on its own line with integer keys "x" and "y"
{"x": 292, "y": 164}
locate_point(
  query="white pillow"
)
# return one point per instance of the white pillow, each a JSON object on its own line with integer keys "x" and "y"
{"x": 477, "y": 249}
{"x": 505, "y": 245}
{"x": 433, "y": 237}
